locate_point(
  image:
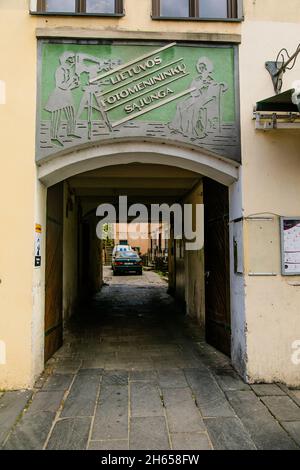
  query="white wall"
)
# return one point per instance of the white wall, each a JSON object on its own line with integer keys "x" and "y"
{"x": 237, "y": 280}
{"x": 271, "y": 184}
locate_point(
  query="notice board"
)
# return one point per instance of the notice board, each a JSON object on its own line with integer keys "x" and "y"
{"x": 290, "y": 245}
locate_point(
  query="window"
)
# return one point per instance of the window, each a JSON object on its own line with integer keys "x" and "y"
{"x": 171, "y": 8}
{"x": 59, "y": 6}
{"x": 197, "y": 9}
{"x": 214, "y": 9}
{"x": 78, "y": 7}
{"x": 102, "y": 6}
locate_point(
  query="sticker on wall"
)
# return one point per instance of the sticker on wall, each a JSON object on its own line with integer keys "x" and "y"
{"x": 37, "y": 246}
{"x": 290, "y": 245}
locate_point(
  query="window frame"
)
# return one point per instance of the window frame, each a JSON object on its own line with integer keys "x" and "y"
{"x": 80, "y": 10}
{"x": 235, "y": 9}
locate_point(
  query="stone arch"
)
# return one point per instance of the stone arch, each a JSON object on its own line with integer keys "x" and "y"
{"x": 63, "y": 166}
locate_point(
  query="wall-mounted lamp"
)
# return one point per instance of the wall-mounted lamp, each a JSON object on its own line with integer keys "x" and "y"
{"x": 282, "y": 63}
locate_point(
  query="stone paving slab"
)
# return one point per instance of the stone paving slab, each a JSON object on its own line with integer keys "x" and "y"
{"x": 82, "y": 396}
{"x": 145, "y": 400}
{"x": 148, "y": 434}
{"x": 228, "y": 434}
{"x": 67, "y": 366}
{"x": 58, "y": 382}
{"x": 190, "y": 441}
{"x": 265, "y": 390}
{"x": 293, "y": 428}
{"x": 126, "y": 365}
{"x": 283, "y": 408}
{"x": 182, "y": 413}
{"x": 295, "y": 396}
{"x": 210, "y": 398}
{"x": 40, "y": 382}
{"x": 143, "y": 375}
{"x": 11, "y": 406}
{"x": 115, "y": 377}
{"x": 96, "y": 363}
{"x": 46, "y": 401}
{"x": 70, "y": 434}
{"x": 118, "y": 444}
{"x": 161, "y": 364}
{"x": 31, "y": 432}
{"x": 213, "y": 358}
{"x": 265, "y": 431}
{"x": 172, "y": 379}
{"x": 111, "y": 419}
{"x": 228, "y": 379}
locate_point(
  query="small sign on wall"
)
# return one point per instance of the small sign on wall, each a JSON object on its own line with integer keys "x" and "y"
{"x": 290, "y": 246}
{"x": 38, "y": 246}
{"x": 262, "y": 253}
{"x": 2, "y": 92}
{"x": 2, "y": 353}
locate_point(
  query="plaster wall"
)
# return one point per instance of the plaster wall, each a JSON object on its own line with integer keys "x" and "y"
{"x": 270, "y": 180}
{"x": 270, "y": 185}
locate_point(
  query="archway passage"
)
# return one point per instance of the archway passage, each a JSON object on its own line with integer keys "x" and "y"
{"x": 198, "y": 280}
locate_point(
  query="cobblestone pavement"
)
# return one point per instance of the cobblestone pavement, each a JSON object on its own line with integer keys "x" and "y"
{"x": 135, "y": 374}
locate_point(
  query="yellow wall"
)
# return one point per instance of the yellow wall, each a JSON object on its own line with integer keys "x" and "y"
{"x": 38, "y": 290}
{"x": 17, "y": 194}
{"x": 137, "y": 18}
{"x": 270, "y": 179}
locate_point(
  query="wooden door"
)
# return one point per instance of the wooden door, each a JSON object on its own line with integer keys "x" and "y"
{"x": 217, "y": 274}
{"x": 180, "y": 273}
{"x": 54, "y": 271}
{"x": 171, "y": 261}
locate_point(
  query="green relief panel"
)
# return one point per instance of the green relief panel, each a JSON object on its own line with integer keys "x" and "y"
{"x": 94, "y": 92}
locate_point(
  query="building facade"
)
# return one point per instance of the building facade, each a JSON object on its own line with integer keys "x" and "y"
{"x": 154, "y": 101}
